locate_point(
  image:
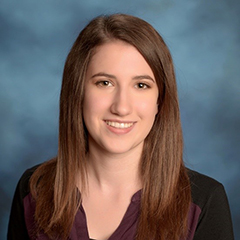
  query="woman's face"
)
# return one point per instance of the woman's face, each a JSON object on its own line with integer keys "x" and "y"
{"x": 120, "y": 101}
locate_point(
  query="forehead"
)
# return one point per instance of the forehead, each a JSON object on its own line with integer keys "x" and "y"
{"x": 109, "y": 47}
{"x": 118, "y": 54}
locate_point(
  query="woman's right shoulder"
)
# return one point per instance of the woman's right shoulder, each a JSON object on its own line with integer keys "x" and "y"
{"x": 24, "y": 181}
{"x": 29, "y": 172}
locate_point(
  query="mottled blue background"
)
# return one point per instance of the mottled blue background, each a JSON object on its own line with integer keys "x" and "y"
{"x": 204, "y": 39}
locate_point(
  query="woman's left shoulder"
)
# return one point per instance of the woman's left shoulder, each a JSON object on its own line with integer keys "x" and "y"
{"x": 203, "y": 187}
{"x": 200, "y": 180}
{"x": 209, "y": 196}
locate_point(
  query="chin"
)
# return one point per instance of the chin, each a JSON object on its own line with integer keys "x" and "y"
{"x": 122, "y": 148}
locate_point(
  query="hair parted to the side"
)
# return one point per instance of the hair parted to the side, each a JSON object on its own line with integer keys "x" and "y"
{"x": 166, "y": 194}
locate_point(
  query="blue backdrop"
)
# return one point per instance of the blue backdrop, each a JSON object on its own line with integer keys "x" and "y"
{"x": 204, "y": 40}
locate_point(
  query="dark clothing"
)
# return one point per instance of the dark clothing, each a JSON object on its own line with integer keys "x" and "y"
{"x": 209, "y": 216}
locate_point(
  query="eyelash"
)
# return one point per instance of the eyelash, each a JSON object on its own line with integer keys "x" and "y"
{"x": 145, "y": 86}
{"x": 106, "y": 83}
{"x": 102, "y": 83}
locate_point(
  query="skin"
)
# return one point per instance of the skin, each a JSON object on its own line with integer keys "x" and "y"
{"x": 120, "y": 105}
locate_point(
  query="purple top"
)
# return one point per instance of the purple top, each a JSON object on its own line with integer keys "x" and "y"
{"x": 126, "y": 229}
{"x": 209, "y": 216}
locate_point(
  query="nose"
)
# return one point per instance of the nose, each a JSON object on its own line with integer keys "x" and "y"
{"x": 121, "y": 105}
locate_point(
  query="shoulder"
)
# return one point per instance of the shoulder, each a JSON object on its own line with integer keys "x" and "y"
{"x": 44, "y": 171}
{"x": 16, "y": 226}
{"x": 23, "y": 184}
{"x": 203, "y": 187}
{"x": 201, "y": 182}
{"x": 214, "y": 221}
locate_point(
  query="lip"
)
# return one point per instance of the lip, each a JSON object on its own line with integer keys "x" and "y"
{"x": 118, "y": 121}
{"x": 119, "y": 130}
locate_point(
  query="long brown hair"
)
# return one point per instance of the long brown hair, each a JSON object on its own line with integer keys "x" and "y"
{"x": 166, "y": 194}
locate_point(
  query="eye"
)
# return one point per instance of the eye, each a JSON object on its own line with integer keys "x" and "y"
{"x": 104, "y": 83}
{"x": 142, "y": 85}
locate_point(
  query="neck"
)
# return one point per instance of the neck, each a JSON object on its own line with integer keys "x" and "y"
{"x": 114, "y": 171}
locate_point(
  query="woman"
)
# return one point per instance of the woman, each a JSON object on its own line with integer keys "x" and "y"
{"x": 119, "y": 172}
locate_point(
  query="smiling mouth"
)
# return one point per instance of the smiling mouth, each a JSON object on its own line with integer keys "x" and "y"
{"x": 119, "y": 125}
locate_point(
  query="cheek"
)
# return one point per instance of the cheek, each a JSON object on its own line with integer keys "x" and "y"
{"x": 148, "y": 108}
{"x": 156, "y": 109}
{"x": 88, "y": 106}
{"x": 94, "y": 104}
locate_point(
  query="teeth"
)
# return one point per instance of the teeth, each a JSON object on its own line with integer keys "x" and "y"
{"x": 119, "y": 125}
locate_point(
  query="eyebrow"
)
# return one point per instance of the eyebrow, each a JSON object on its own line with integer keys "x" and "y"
{"x": 138, "y": 77}
{"x": 102, "y": 74}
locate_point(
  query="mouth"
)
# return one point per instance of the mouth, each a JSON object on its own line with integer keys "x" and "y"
{"x": 120, "y": 125}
